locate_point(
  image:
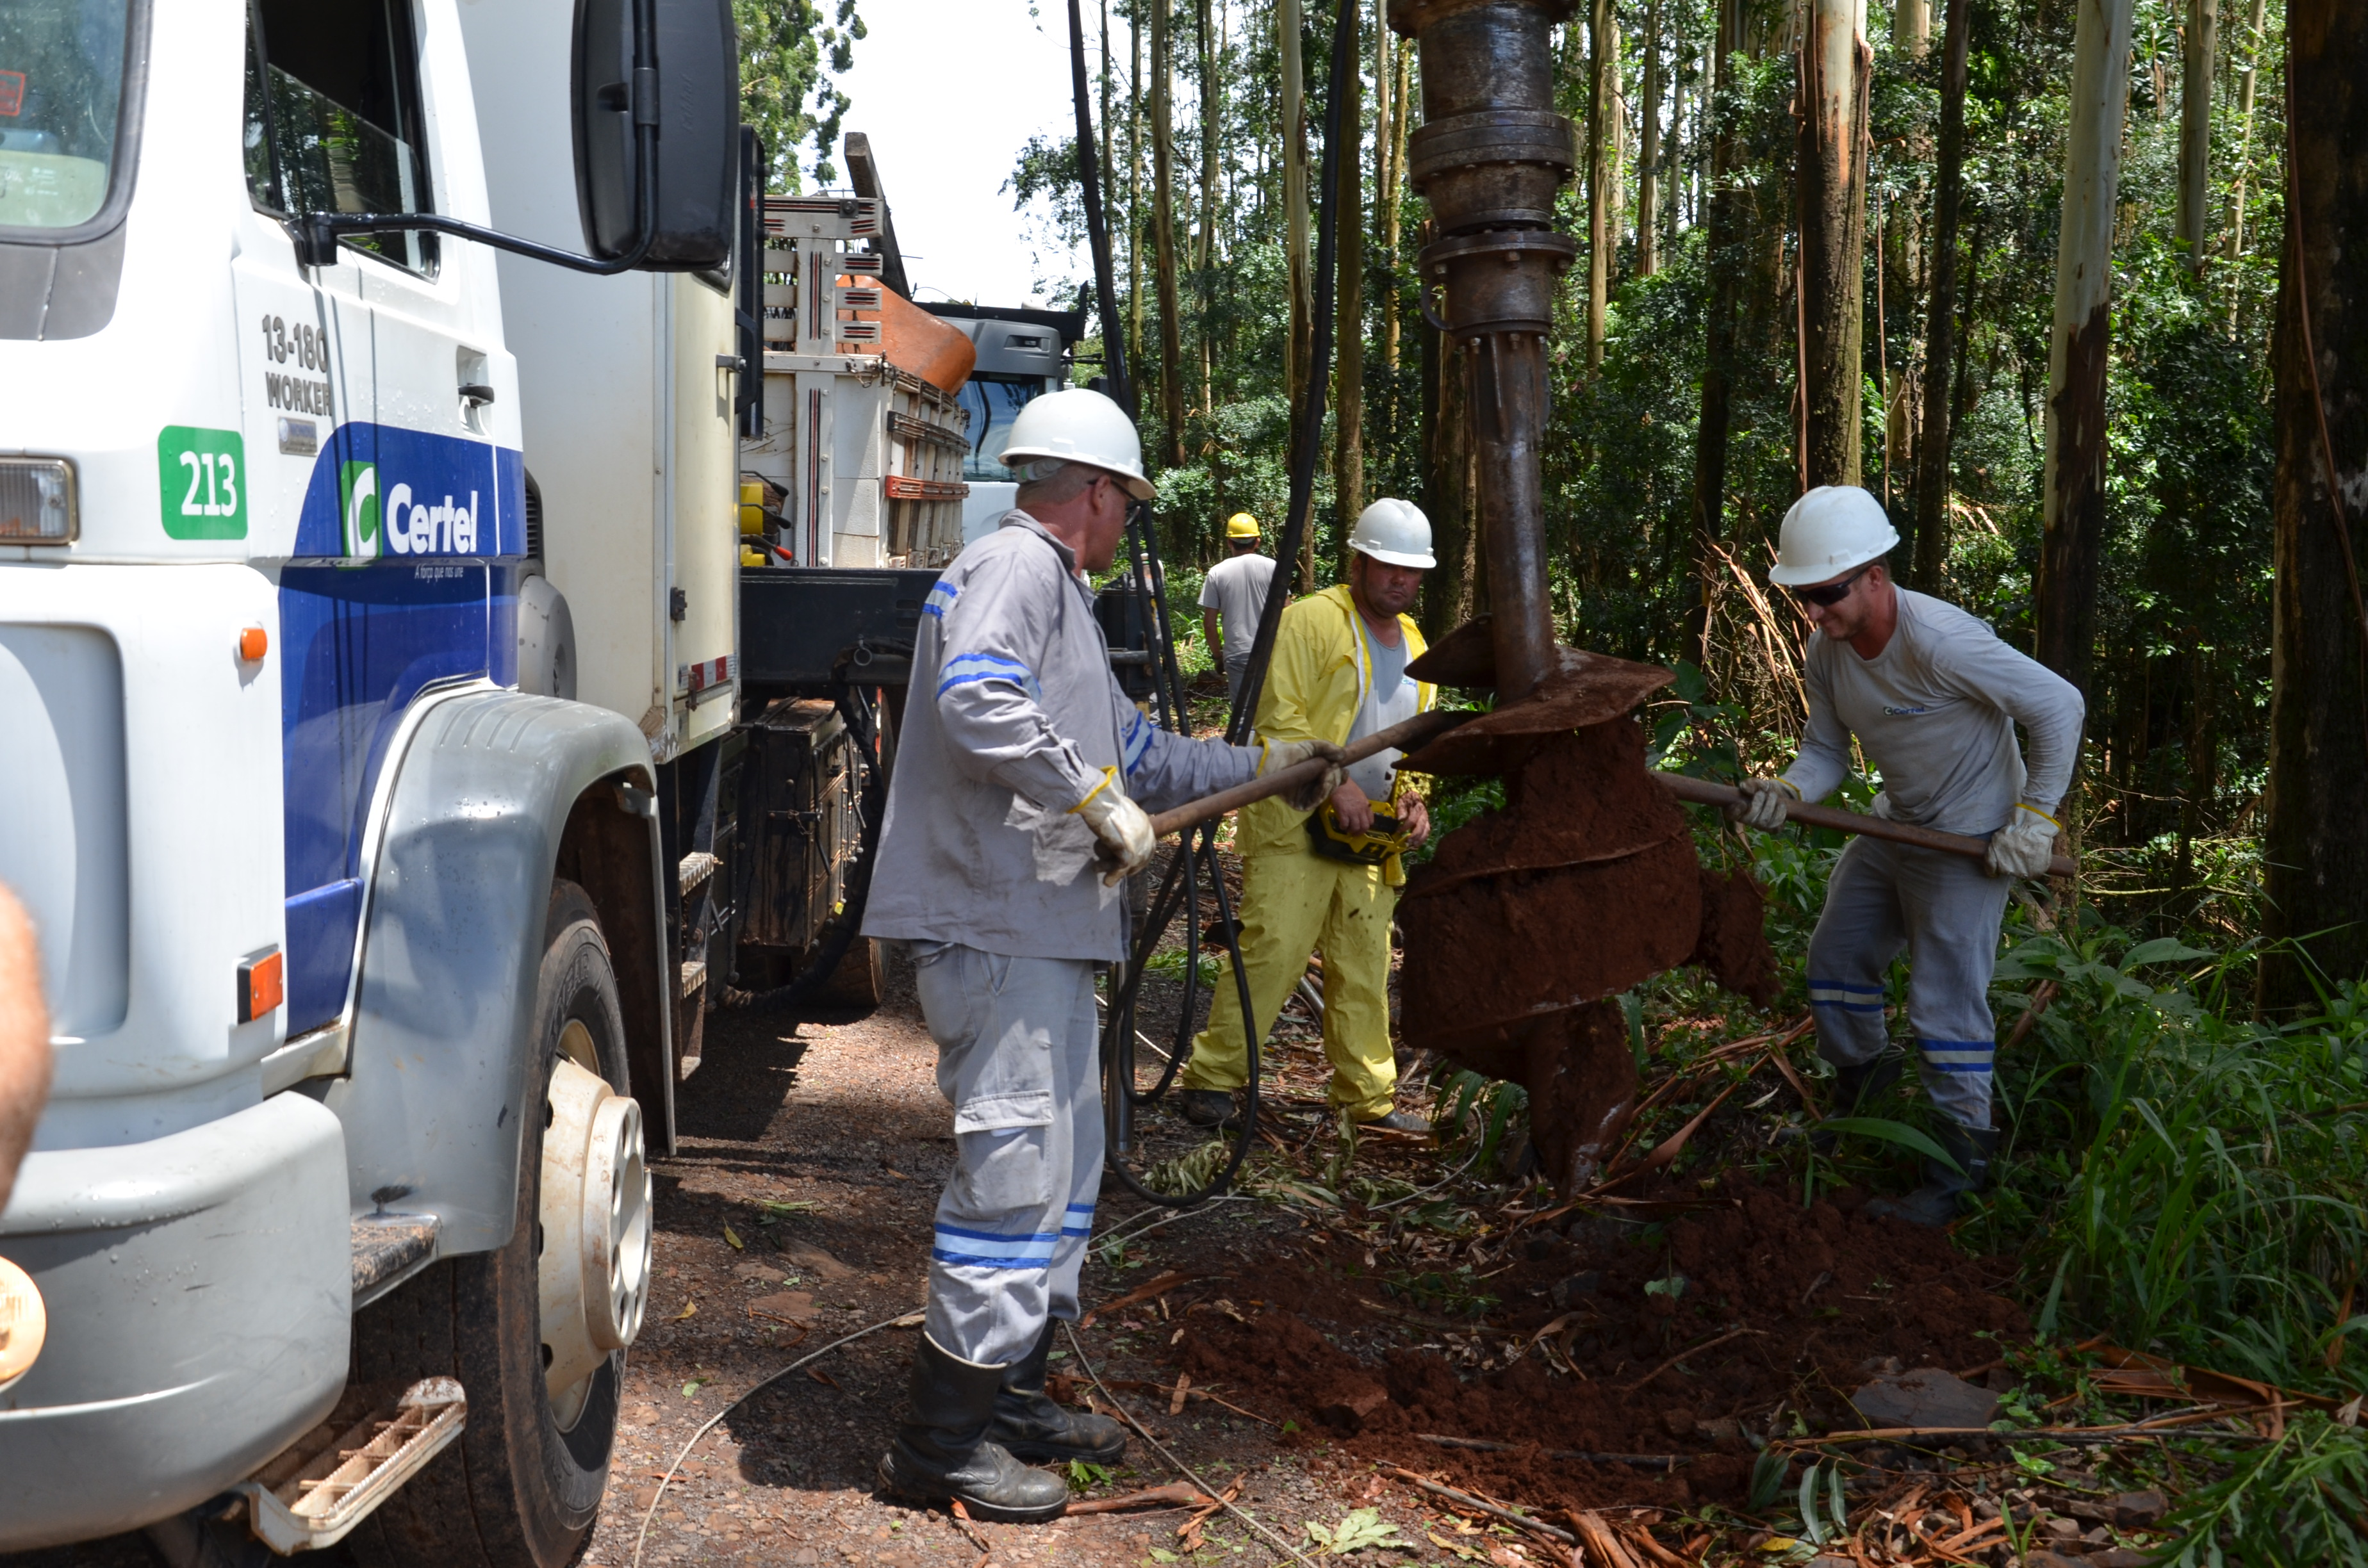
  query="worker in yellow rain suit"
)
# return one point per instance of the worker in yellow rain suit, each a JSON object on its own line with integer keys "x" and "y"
{"x": 1329, "y": 879}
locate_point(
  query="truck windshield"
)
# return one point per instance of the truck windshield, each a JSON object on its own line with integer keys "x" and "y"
{"x": 993, "y": 403}
{"x": 61, "y": 103}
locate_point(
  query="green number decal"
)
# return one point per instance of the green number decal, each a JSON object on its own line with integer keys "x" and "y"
{"x": 201, "y": 478}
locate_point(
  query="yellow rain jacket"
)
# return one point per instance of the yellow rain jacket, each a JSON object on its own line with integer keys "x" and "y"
{"x": 1323, "y": 667}
{"x": 1295, "y": 901}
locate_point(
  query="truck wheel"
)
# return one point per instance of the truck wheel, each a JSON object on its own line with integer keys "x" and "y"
{"x": 535, "y": 1331}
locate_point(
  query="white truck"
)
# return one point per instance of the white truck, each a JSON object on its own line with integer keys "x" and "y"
{"x": 372, "y": 375}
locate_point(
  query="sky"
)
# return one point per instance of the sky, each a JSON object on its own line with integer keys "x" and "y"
{"x": 950, "y": 91}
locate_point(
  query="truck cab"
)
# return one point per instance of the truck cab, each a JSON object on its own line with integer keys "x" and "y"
{"x": 362, "y": 590}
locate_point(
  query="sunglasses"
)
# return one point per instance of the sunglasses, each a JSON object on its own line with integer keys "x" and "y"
{"x": 1831, "y": 594}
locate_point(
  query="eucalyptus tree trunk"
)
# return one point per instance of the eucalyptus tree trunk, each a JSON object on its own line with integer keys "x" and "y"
{"x": 1930, "y": 515}
{"x": 1834, "y": 62}
{"x": 2232, "y": 245}
{"x": 1911, "y": 28}
{"x": 1296, "y": 261}
{"x": 1107, "y": 166}
{"x": 2316, "y": 847}
{"x": 2073, "y": 491}
{"x": 1599, "y": 196}
{"x": 1397, "y": 53}
{"x": 1458, "y": 589}
{"x": 1648, "y": 154}
{"x": 1212, "y": 100}
{"x": 1349, "y": 330}
{"x": 1163, "y": 223}
{"x": 1134, "y": 183}
{"x": 2203, "y": 44}
{"x": 1722, "y": 246}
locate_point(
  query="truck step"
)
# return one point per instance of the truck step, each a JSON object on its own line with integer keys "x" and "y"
{"x": 313, "y": 1494}
{"x": 387, "y": 1248}
{"x": 694, "y": 976}
{"x": 696, "y": 867}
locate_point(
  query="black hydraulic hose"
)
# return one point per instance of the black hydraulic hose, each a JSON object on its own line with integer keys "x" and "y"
{"x": 1090, "y": 186}
{"x": 1115, "y": 1106}
{"x": 1311, "y": 415}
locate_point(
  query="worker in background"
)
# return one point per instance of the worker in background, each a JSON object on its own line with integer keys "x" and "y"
{"x": 1328, "y": 880}
{"x": 1012, "y": 815}
{"x": 1233, "y": 600}
{"x": 1932, "y": 697}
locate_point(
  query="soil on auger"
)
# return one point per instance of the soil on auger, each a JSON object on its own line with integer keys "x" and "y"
{"x": 1583, "y": 884}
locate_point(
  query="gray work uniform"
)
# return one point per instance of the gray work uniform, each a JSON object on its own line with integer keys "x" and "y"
{"x": 1934, "y": 713}
{"x": 986, "y": 871}
{"x": 1236, "y": 588}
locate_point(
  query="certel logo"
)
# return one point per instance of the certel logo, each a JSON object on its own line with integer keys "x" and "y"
{"x": 376, "y": 525}
{"x": 358, "y": 505}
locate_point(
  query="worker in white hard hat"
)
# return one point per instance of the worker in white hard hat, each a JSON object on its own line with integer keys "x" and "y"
{"x": 1327, "y": 876}
{"x": 1933, "y": 698}
{"x": 1015, "y": 810}
{"x": 1233, "y": 597}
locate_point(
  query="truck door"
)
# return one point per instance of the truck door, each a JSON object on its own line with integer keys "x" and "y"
{"x": 387, "y": 589}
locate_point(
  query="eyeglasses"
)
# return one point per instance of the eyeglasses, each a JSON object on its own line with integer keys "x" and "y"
{"x": 1829, "y": 595}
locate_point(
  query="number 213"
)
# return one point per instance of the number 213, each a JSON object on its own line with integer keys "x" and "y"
{"x": 218, "y": 473}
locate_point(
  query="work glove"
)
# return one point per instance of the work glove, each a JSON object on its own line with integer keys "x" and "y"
{"x": 2023, "y": 847}
{"x": 1120, "y": 829}
{"x": 1762, "y": 805}
{"x": 1280, "y": 755}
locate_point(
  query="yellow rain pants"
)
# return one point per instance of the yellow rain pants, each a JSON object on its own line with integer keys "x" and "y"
{"x": 1293, "y": 904}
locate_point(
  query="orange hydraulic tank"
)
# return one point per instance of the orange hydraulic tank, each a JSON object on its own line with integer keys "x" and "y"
{"x": 919, "y": 343}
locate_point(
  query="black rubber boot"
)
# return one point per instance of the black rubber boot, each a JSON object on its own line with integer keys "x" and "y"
{"x": 941, "y": 1452}
{"x": 1209, "y": 1108}
{"x": 1942, "y": 1196}
{"x": 1857, "y": 1087}
{"x": 1030, "y": 1424}
{"x": 1400, "y": 1121}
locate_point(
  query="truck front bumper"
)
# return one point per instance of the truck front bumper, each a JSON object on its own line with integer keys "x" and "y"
{"x": 199, "y": 1289}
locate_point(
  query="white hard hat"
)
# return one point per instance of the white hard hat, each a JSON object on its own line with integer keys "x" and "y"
{"x": 1079, "y": 424}
{"x": 1394, "y": 533}
{"x": 1830, "y": 531}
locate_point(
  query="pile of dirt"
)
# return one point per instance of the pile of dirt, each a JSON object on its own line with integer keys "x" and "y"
{"x": 1585, "y": 883}
{"x": 1684, "y": 1341}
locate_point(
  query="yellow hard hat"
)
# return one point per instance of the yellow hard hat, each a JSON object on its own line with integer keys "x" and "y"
{"x": 1241, "y": 525}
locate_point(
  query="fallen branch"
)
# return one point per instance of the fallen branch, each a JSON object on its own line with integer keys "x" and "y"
{"x": 1668, "y": 1148}
{"x": 1465, "y": 1500}
{"x": 1175, "y": 1495}
{"x": 1489, "y": 1446}
{"x": 1446, "y": 1325}
{"x": 1599, "y": 1539}
{"x": 1149, "y": 1291}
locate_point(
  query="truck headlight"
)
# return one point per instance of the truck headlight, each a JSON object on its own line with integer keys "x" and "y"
{"x": 37, "y": 501}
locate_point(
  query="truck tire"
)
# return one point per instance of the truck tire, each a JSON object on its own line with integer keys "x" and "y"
{"x": 522, "y": 1486}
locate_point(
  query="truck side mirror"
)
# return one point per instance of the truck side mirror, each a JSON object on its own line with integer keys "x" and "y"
{"x": 691, "y": 94}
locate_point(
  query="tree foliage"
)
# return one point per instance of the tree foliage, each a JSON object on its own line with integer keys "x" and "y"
{"x": 789, "y": 50}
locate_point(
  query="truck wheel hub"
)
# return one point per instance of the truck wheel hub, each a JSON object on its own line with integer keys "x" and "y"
{"x": 594, "y": 1247}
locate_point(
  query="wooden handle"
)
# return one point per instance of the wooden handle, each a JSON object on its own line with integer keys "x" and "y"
{"x": 1411, "y": 735}
{"x": 1702, "y": 792}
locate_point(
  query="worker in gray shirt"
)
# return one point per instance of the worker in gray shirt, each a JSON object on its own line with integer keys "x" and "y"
{"x": 1012, "y": 820}
{"x": 1232, "y": 599}
{"x": 1933, "y": 698}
